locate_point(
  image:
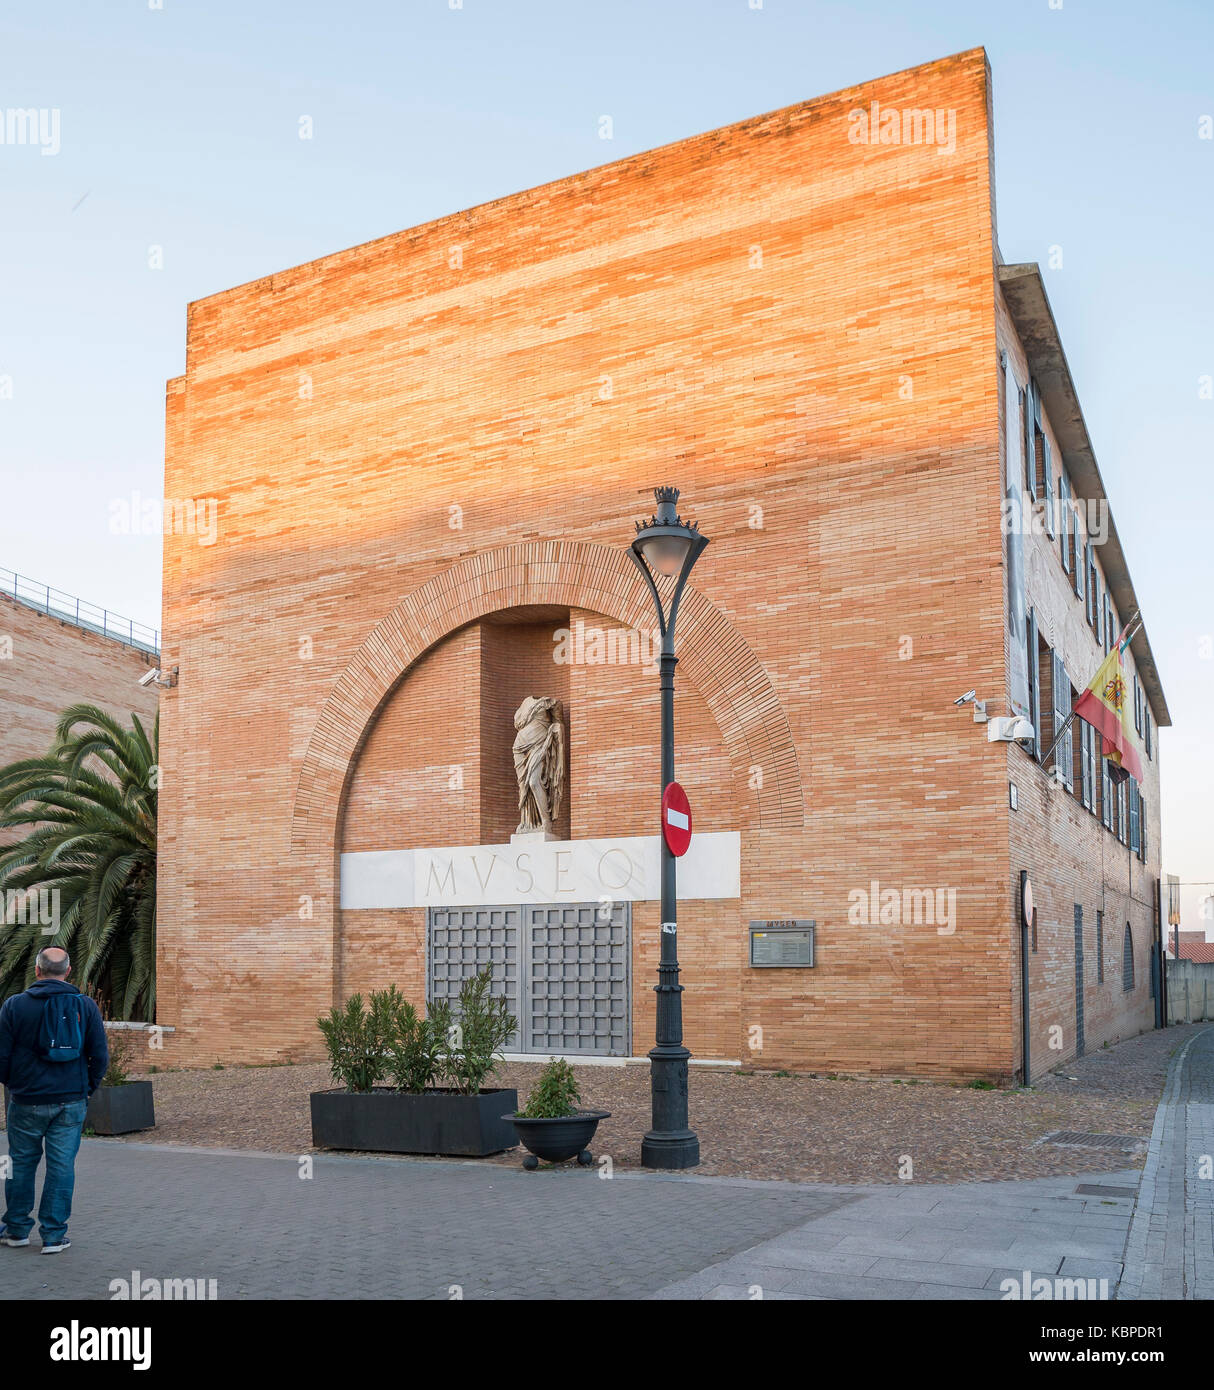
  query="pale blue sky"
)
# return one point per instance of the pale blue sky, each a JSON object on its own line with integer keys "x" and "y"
{"x": 179, "y": 129}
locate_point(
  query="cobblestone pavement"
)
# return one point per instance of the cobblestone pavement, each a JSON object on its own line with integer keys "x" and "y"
{"x": 1170, "y": 1250}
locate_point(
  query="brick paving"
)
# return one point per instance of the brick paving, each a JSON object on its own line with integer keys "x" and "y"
{"x": 364, "y": 1228}
{"x": 1170, "y": 1250}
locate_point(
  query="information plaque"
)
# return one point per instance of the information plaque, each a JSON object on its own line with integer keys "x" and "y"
{"x": 782, "y": 942}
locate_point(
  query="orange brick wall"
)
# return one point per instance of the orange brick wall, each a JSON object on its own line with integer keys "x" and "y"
{"x": 412, "y": 436}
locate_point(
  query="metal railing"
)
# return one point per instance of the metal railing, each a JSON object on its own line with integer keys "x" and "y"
{"x": 69, "y": 609}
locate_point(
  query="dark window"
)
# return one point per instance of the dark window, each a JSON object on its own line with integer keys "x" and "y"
{"x": 1047, "y": 482}
{"x": 1146, "y": 727}
{"x": 1142, "y": 827}
{"x": 1127, "y": 961}
{"x": 1106, "y": 795}
{"x": 1100, "y": 948}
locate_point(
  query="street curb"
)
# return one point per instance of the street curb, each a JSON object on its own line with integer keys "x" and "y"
{"x": 1150, "y": 1206}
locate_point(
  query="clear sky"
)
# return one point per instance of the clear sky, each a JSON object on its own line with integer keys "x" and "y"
{"x": 179, "y": 130}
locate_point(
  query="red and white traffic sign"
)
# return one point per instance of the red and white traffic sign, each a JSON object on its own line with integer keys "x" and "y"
{"x": 676, "y": 819}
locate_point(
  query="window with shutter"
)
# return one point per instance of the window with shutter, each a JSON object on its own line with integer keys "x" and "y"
{"x": 1080, "y": 586}
{"x": 1127, "y": 960}
{"x": 1146, "y": 727}
{"x": 1064, "y": 521}
{"x": 1047, "y": 470}
{"x": 1106, "y": 795}
{"x": 1132, "y": 797}
{"x": 1123, "y": 827}
{"x": 1028, "y": 463}
{"x": 1034, "y": 668}
{"x": 1142, "y": 827}
{"x": 1085, "y": 762}
{"x": 1064, "y": 753}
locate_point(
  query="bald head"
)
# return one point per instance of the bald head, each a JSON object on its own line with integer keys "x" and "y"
{"x": 53, "y": 963}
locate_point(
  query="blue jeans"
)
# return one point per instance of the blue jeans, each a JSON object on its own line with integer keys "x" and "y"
{"x": 57, "y": 1126}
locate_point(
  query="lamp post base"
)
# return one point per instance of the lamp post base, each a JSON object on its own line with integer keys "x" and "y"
{"x": 670, "y": 1143}
{"x": 670, "y": 1150}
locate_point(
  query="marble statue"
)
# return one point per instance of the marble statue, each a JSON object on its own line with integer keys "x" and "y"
{"x": 539, "y": 764}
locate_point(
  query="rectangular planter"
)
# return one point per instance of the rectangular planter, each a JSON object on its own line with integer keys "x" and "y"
{"x": 121, "y": 1109}
{"x": 435, "y": 1122}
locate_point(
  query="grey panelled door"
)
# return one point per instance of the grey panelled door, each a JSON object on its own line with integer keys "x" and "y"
{"x": 563, "y": 969}
{"x": 578, "y": 979}
{"x": 463, "y": 940}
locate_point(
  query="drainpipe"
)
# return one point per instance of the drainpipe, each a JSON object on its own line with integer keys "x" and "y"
{"x": 1024, "y": 978}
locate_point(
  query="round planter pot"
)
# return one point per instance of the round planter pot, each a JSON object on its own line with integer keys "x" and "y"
{"x": 557, "y": 1140}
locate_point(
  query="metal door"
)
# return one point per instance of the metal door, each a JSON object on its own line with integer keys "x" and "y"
{"x": 461, "y": 941}
{"x": 578, "y": 995}
{"x": 564, "y": 970}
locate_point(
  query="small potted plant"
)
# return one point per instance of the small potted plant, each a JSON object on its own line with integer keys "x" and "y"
{"x": 384, "y": 1039}
{"x": 552, "y": 1127}
{"x": 120, "y": 1105}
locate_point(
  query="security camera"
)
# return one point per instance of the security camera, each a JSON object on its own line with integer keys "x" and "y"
{"x": 966, "y": 698}
{"x": 1022, "y": 729}
{"x": 150, "y": 677}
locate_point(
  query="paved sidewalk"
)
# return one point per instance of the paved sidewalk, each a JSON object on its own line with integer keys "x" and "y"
{"x": 384, "y": 1228}
{"x": 1170, "y": 1250}
{"x": 947, "y": 1241}
{"x": 364, "y": 1228}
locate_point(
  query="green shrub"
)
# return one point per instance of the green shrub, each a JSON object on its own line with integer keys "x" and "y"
{"x": 474, "y": 1042}
{"x": 122, "y": 1048}
{"x": 415, "y": 1059}
{"x": 358, "y": 1038}
{"x": 554, "y": 1095}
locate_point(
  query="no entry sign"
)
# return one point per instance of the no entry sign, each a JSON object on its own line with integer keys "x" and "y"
{"x": 676, "y": 819}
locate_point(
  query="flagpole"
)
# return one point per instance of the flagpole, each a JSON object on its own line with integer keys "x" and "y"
{"x": 1045, "y": 757}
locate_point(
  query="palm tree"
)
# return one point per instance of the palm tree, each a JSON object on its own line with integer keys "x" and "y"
{"x": 88, "y": 810}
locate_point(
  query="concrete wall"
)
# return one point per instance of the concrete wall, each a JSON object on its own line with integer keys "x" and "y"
{"x": 1190, "y": 991}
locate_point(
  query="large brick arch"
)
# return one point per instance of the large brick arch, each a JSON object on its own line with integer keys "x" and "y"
{"x": 574, "y": 574}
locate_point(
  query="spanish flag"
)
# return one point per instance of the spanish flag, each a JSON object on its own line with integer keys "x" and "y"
{"x": 1103, "y": 704}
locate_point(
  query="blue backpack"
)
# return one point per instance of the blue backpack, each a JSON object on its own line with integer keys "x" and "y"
{"x": 61, "y": 1033}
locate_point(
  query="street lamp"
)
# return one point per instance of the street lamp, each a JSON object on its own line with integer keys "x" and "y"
{"x": 666, "y": 547}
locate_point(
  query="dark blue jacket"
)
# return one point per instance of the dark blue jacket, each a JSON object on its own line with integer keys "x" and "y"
{"x": 30, "y": 1079}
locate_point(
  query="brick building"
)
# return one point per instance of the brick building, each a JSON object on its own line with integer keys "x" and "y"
{"x": 52, "y": 655}
{"x": 427, "y": 454}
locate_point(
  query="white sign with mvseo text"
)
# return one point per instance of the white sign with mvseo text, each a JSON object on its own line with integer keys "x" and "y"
{"x": 627, "y": 870}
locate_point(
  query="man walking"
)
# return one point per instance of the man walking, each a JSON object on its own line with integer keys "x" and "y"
{"x": 53, "y": 1054}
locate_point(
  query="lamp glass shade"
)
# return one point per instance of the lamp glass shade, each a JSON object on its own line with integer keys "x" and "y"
{"x": 666, "y": 553}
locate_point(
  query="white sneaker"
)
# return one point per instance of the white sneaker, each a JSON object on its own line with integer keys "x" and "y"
{"x": 56, "y": 1249}
{"x": 6, "y": 1239}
